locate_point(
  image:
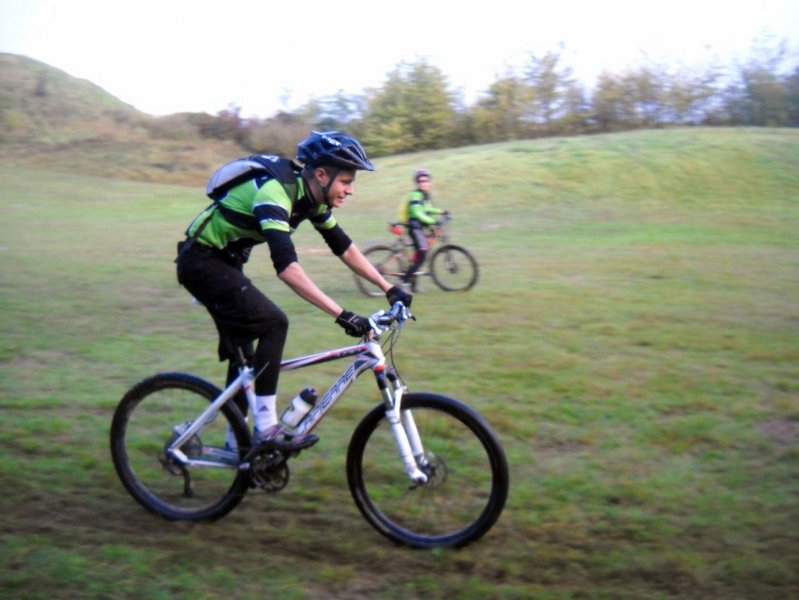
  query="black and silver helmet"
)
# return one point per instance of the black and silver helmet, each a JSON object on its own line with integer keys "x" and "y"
{"x": 335, "y": 149}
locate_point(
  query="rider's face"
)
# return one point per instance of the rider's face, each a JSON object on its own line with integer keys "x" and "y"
{"x": 423, "y": 183}
{"x": 341, "y": 188}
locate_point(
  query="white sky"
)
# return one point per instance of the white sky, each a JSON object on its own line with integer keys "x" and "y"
{"x": 167, "y": 56}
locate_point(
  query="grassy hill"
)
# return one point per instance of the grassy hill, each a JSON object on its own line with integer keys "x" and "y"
{"x": 634, "y": 339}
{"x": 57, "y": 122}
{"x": 43, "y": 104}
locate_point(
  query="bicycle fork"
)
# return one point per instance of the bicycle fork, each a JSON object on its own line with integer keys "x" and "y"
{"x": 404, "y": 429}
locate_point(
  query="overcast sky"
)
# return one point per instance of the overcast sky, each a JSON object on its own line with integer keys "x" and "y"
{"x": 167, "y": 56}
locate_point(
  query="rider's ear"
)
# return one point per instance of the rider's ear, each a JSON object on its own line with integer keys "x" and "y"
{"x": 322, "y": 176}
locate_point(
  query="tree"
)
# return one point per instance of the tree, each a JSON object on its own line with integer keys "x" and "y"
{"x": 413, "y": 111}
{"x": 576, "y": 110}
{"x": 548, "y": 83}
{"x": 792, "y": 91}
{"x": 608, "y": 102}
{"x": 338, "y": 112}
{"x": 645, "y": 90}
{"x": 765, "y": 93}
{"x": 499, "y": 115}
{"x": 279, "y": 134}
{"x": 690, "y": 96}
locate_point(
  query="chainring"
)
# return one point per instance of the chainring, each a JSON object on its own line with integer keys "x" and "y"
{"x": 269, "y": 469}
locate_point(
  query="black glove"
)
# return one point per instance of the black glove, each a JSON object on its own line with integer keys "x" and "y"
{"x": 353, "y": 324}
{"x": 397, "y": 294}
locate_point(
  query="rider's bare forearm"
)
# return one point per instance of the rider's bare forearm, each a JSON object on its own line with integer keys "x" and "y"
{"x": 360, "y": 265}
{"x": 295, "y": 277}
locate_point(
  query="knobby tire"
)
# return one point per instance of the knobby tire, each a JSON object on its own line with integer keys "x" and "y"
{"x": 143, "y": 425}
{"x": 453, "y": 268}
{"x": 468, "y": 483}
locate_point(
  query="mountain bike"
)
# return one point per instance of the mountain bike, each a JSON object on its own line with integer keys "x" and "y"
{"x": 425, "y": 470}
{"x": 452, "y": 267}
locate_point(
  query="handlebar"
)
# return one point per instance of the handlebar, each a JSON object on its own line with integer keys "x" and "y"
{"x": 397, "y": 226}
{"x": 398, "y": 313}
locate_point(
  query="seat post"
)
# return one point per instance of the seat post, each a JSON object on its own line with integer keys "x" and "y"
{"x": 241, "y": 358}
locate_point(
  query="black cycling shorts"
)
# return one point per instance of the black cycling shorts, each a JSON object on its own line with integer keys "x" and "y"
{"x": 241, "y": 312}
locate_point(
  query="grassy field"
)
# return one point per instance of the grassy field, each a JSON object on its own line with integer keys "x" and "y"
{"x": 634, "y": 340}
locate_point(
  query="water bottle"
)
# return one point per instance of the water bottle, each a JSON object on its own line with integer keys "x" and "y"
{"x": 299, "y": 407}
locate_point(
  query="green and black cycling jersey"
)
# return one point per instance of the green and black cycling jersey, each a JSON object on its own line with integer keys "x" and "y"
{"x": 418, "y": 208}
{"x": 261, "y": 210}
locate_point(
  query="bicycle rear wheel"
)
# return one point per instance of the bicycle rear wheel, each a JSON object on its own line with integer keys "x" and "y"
{"x": 388, "y": 262}
{"x": 149, "y": 418}
{"x": 453, "y": 268}
{"x": 466, "y": 465}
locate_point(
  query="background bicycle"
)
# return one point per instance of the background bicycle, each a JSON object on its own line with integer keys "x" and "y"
{"x": 451, "y": 267}
{"x": 425, "y": 470}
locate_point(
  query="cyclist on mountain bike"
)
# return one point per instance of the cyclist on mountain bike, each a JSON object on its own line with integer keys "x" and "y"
{"x": 210, "y": 264}
{"x": 418, "y": 213}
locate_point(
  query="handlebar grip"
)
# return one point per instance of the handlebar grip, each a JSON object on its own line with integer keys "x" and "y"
{"x": 397, "y": 312}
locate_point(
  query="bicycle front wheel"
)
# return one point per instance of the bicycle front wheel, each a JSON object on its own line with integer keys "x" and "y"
{"x": 148, "y": 419}
{"x": 453, "y": 268}
{"x": 388, "y": 262}
{"x": 466, "y": 467}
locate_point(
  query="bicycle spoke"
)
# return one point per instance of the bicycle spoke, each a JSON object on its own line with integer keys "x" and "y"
{"x": 149, "y": 420}
{"x": 462, "y": 497}
{"x": 453, "y": 269}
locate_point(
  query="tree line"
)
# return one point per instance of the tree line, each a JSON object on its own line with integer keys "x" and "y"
{"x": 417, "y": 110}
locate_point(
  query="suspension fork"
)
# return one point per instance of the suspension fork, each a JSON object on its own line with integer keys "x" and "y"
{"x": 402, "y": 424}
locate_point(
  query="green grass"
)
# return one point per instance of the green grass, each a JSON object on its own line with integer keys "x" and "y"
{"x": 633, "y": 338}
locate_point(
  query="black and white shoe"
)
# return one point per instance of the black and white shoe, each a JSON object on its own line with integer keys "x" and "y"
{"x": 276, "y": 438}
